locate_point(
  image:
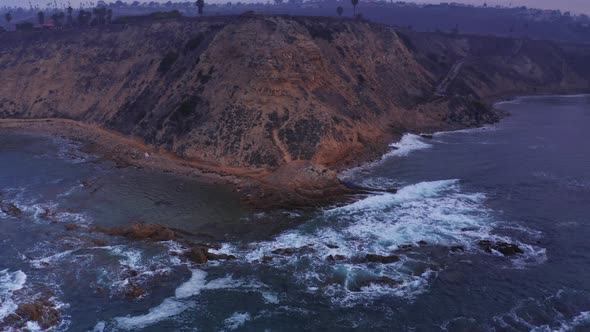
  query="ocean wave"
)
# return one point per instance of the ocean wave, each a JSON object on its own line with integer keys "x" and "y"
{"x": 567, "y": 310}
{"x": 174, "y": 306}
{"x": 328, "y": 254}
{"x": 9, "y": 283}
{"x": 236, "y": 320}
{"x": 168, "y": 308}
{"x": 408, "y": 144}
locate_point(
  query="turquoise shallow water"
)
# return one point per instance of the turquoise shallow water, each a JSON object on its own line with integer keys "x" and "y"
{"x": 525, "y": 181}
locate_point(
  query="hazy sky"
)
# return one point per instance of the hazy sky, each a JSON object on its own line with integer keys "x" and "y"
{"x": 577, "y": 6}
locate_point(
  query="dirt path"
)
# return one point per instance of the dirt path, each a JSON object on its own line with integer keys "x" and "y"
{"x": 441, "y": 89}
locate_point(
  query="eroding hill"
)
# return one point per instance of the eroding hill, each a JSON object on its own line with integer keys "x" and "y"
{"x": 262, "y": 91}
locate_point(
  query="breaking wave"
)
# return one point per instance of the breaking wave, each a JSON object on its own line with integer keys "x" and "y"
{"x": 9, "y": 283}
{"x": 329, "y": 254}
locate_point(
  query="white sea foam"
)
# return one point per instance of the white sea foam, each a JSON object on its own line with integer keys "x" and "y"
{"x": 236, "y": 320}
{"x": 270, "y": 297}
{"x": 176, "y": 305}
{"x": 9, "y": 283}
{"x": 408, "y": 144}
{"x": 168, "y": 308}
{"x": 439, "y": 213}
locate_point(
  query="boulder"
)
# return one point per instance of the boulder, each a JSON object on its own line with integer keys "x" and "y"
{"x": 335, "y": 258}
{"x": 378, "y": 281}
{"x": 457, "y": 248}
{"x": 41, "y": 311}
{"x": 506, "y": 249}
{"x": 197, "y": 255}
{"x": 10, "y": 209}
{"x": 374, "y": 258}
{"x": 215, "y": 257}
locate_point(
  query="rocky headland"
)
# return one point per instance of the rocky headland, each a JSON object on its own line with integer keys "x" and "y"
{"x": 275, "y": 105}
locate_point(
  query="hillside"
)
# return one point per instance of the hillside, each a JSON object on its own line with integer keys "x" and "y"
{"x": 258, "y": 92}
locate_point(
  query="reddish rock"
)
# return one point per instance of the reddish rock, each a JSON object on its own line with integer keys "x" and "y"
{"x": 134, "y": 291}
{"x": 72, "y": 227}
{"x": 140, "y": 231}
{"x": 10, "y": 209}
{"x": 197, "y": 255}
{"x": 41, "y": 311}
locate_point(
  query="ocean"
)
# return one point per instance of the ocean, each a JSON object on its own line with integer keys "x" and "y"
{"x": 488, "y": 232}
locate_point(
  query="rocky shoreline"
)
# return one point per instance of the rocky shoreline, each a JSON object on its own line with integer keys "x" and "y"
{"x": 299, "y": 184}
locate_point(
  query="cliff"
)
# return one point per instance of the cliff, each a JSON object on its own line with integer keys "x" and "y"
{"x": 260, "y": 92}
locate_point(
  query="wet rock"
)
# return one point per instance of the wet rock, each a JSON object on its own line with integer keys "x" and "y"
{"x": 380, "y": 281}
{"x": 127, "y": 272}
{"x": 215, "y": 257}
{"x": 99, "y": 243}
{"x": 10, "y": 209}
{"x": 139, "y": 231}
{"x": 457, "y": 248}
{"x": 197, "y": 255}
{"x": 335, "y": 258}
{"x": 427, "y": 136}
{"x": 41, "y": 311}
{"x": 406, "y": 247}
{"x": 332, "y": 246}
{"x": 374, "y": 258}
{"x": 267, "y": 259}
{"x": 293, "y": 251}
{"x": 422, "y": 243}
{"x": 506, "y": 249}
{"x": 72, "y": 227}
{"x": 48, "y": 214}
{"x": 134, "y": 291}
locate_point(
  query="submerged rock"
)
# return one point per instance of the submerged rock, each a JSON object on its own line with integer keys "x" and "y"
{"x": 335, "y": 258}
{"x": 72, "y": 227}
{"x": 427, "y": 136}
{"x": 215, "y": 257}
{"x": 197, "y": 255}
{"x": 10, "y": 209}
{"x": 140, "y": 231}
{"x": 457, "y": 248}
{"x": 506, "y": 249}
{"x": 48, "y": 214}
{"x": 374, "y": 258}
{"x": 378, "y": 281}
{"x": 134, "y": 291}
{"x": 40, "y": 310}
{"x": 292, "y": 251}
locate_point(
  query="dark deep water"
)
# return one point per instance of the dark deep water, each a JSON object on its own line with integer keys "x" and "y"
{"x": 525, "y": 181}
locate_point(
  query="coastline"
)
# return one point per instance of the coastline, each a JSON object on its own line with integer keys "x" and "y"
{"x": 296, "y": 185}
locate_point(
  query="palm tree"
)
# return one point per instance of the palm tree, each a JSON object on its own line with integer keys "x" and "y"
{"x": 70, "y": 20}
{"x": 200, "y": 4}
{"x": 109, "y": 16}
{"x": 41, "y": 17}
{"x": 339, "y": 10}
{"x": 354, "y": 3}
{"x": 8, "y": 18}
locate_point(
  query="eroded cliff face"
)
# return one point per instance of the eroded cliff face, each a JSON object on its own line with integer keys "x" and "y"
{"x": 263, "y": 91}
